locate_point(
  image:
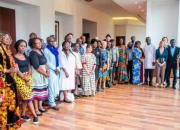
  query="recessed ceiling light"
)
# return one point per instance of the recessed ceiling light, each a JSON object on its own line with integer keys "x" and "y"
{"x": 88, "y": 0}
{"x": 124, "y": 18}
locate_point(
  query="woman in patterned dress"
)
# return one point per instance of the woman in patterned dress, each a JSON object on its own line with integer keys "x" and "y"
{"x": 40, "y": 74}
{"x": 104, "y": 65}
{"x": 122, "y": 68}
{"x": 9, "y": 107}
{"x": 24, "y": 80}
{"x": 96, "y": 52}
{"x": 88, "y": 72}
{"x": 137, "y": 55}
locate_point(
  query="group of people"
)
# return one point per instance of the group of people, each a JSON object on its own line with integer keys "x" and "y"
{"x": 42, "y": 72}
{"x": 143, "y": 61}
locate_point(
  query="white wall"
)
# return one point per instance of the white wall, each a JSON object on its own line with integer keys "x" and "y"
{"x": 47, "y": 15}
{"x": 138, "y": 31}
{"x": 162, "y": 19}
{"x": 25, "y": 19}
{"x": 90, "y": 27}
{"x": 65, "y": 25}
{"x": 82, "y": 11}
{"x": 178, "y": 41}
{"x": 131, "y": 30}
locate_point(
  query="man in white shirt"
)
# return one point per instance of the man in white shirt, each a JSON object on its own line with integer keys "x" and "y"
{"x": 149, "y": 61}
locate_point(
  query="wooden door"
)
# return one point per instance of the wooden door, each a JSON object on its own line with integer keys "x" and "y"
{"x": 7, "y": 23}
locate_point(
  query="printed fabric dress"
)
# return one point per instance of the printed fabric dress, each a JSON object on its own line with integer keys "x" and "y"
{"x": 9, "y": 109}
{"x": 104, "y": 64}
{"x": 110, "y": 69}
{"x": 122, "y": 68}
{"x": 39, "y": 81}
{"x": 136, "y": 75}
{"x": 88, "y": 80}
{"x": 24, "y": 88}
{"x": 96, "y": 52}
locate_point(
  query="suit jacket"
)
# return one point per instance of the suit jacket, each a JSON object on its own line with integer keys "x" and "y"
{"x": 172, "y": 59}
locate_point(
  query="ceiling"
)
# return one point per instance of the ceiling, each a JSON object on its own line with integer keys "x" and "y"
{"x": 135, "y": 7}
{"x": 121, "y": 8}
{"x": 109, "y": 7}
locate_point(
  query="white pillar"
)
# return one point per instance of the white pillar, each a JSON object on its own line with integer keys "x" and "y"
{"x": 178, "y": 40}
{"x": 162, "y": 20}
{"x": 148, "y": 18}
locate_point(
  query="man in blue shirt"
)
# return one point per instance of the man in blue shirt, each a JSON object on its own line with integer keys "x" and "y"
{"x": 173, "y": 52}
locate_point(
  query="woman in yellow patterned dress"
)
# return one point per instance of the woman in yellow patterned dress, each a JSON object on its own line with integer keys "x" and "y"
{"x": 9, "y": 109}
{"x": 24, "y": 80}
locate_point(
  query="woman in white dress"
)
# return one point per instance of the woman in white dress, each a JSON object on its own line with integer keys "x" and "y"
{"x": 68, "y": 63}
{"x": 53, "y": 63}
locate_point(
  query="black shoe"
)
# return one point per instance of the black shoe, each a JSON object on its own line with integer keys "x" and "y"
{"x": 26, "y": 118}
{"x": 145, "y": 83}
{"x": 43, "y": 111}
{"x": 174, "y": 87}
{"x": 67, "y": 101}
{"x": 167, "y": 86}
{"x": 35, "y": 120}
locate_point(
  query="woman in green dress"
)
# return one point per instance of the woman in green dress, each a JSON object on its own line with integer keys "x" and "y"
{"x": 122, "y": 68}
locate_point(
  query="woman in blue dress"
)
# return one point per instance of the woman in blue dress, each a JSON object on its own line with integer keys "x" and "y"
{"x": 137, "y": 54}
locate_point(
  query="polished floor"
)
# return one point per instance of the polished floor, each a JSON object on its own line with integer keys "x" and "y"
{"x": 119, "y": 108}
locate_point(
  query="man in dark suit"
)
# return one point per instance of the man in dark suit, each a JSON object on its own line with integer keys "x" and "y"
{"x": 173, "y": 52}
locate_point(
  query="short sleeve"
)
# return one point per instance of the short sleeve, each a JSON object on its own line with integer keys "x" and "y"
{"x": 62, "y": 60}
{"x": 83, "y": 59}
{"x": 34, "y": 60}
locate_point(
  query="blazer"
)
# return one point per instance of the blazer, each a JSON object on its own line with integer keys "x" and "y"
{"x": 162, "y": 57}
{"x": 172, "y": 59}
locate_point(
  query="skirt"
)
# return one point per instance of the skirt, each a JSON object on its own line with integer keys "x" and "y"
{"x": 39, "y": 85}
{"x": 104, "y": 74}
{"x": 24, "y": 89}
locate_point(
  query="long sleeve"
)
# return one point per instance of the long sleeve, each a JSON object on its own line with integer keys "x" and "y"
{"x": 154, "y": 53}
{"x": 34, "y": 60}
{"x": 100, "y": 60}
{"x": 166, "y": 55}
{"x": 117, "y": 53}
{"x": 49, "y": 60}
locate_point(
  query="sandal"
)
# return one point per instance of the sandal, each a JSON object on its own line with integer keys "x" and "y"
{"x": 67, "y": 101}
{"x": 42, "y": 110}
{"x": 39, "y": 114}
